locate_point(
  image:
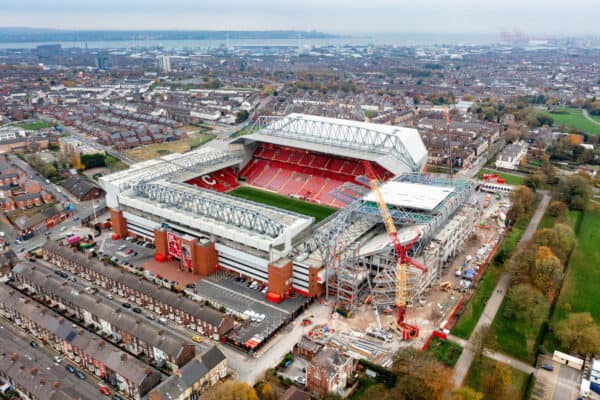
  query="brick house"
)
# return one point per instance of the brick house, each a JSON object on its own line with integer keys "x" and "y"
{"x": 329, "y": 372}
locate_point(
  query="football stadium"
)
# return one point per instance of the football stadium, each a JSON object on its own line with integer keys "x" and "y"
{"x": 289, "y": 206}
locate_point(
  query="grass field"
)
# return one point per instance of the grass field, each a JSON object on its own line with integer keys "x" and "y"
{"x": 582, "y": 279}
{"x": 161, "y": 149}
{"x": 272, "y": 199}
{"x": 479, "y": 367}
{"x": 34, "y": 126}
{"x": 474, "y": 307}
{"x": 444, "y": 351}
{"x": 509, "y": 178}
{"x": 573, "y": 119}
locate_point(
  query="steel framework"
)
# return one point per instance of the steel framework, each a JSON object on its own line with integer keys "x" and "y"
{"x": 219, "y": 208}
{"x": 336, "y": 241}
{"x": 340, "y": 134}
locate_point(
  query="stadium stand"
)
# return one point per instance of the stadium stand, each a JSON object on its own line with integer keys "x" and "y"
{"x": 303, "y": 174}
{"x": 222, "y": 181}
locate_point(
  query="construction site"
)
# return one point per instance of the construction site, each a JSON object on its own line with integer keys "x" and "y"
{"x": 392, "y": 260}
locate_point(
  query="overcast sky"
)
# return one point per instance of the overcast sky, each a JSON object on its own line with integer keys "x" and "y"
{"x": 543, "y": 17}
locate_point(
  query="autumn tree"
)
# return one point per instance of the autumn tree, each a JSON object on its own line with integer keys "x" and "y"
{"x": 420, "y": 376}
{"x": 232, "y": 390}
{"x": 526, "y": 303}
{"x": 522, "y": 199}
{"x": 466, "y": 393}
{"x": 265, "y": 391}
{"x": 558, "y": 210}
{"x": 522, "y": 264}
{"x": 578, "y": 333}
{"x": 547, "y": 272}
{"x": 566, "y": 241}
{"x": 496, "y": 382}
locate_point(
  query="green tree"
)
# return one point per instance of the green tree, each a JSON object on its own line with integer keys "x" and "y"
{"x": 575, "y": 190}
{"x": 241, "y": 116}
{"x": 578, "y": 333}
{"x": 527, "y": 304}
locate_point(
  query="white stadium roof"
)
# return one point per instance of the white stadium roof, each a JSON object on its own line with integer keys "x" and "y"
{"x": 398, "y": 149}
{"x": 412, "y": 195}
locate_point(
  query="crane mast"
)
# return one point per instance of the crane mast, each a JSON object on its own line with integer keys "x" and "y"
{"x": 402, "y": 259}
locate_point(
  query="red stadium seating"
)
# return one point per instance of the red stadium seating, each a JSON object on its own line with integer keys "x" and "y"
{"x": 302, "y": 173}
{"x": 221, "y": 181}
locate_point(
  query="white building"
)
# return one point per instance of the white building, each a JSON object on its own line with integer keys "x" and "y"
{"x": 511, "y": 156}
{"x": 164, "y": 63}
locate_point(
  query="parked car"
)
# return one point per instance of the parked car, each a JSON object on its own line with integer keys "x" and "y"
{"x": 197, "y": 339}
{"x": 150, "y": 317}
{"x": 70, "y": 368}
{"x": 548, "y": 367}
{"x": 34, "y": 344}
{"x": 57, "y": 359}
{"x": 190, "y": 286}
{"x": 116, "y": 397}
{"x": 80, "y": 375}
{"x": 136, "y": 310}
{"x": 126, "y": 305}
{"x": 104, "y": 390}
{"x": 300, "y": 380}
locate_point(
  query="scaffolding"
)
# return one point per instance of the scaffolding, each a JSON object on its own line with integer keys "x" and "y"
{"x": 338, "y": 241}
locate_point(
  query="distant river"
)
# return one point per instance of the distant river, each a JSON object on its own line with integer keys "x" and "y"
{"x": 380, "y": 39}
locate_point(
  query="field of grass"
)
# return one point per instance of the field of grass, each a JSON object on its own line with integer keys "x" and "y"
{"x": 582, "y": 279}
{"x": 509, "y": 178}
{"x": 479, "y": 367}
{"x": 272, "y": 199}
{"x": 114, "y": 164}
{"x": 155, "y": 150}
{"x": 34, "y": 126}
{"x": 573, "y": 119}
{"x": 444, "y": 351}
{"x": 474, "y": 307}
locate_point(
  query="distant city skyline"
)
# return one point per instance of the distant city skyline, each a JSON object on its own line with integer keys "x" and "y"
{"x": 534, "y": 17}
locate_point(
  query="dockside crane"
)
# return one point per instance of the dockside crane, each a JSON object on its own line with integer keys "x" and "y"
{"x": 402, "y": 259}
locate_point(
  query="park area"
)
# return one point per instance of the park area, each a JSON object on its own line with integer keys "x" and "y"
{"x": 317, "y": 211}
{"x": 33, "y": 125}
{"x": 155, "y": 150}
{"x": 509, "y": 179}
{"x": 484, "y": 377}
{"x": 573, "y": 119}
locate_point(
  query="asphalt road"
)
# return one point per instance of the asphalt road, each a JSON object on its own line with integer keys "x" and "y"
{"x": 15, "y": 340}
{"x": 493, "y": 304}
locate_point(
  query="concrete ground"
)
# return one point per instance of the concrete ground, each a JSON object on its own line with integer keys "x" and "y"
{"x": 562, "y": 383}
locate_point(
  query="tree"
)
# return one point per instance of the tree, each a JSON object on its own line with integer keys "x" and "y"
{"x": 522, "y": 264}
{"x": 533, "y": 182}
{"x": 522, "y": 199}
{"x": 93, "y": 160}
{"x": 575, "y": 190}
{"x": 381, "y": 392}
{"x": 76, "y": 162}
{"x": 265, "y": 391}
{"x": 479, "y": 340}
{"x": 241, "y": 116}
{"x": 466, "y": 393}
{"x": 496, "y": 382}
{"x": 232, "y": 390}
{"x": 558, "y": 210}
{"x": 547, "y": 272}
{"x": 420, "y": 376}
{"x": 578, "y": 333}
{"x": 527, "y": 304}
{"x": 566, "y": 241}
